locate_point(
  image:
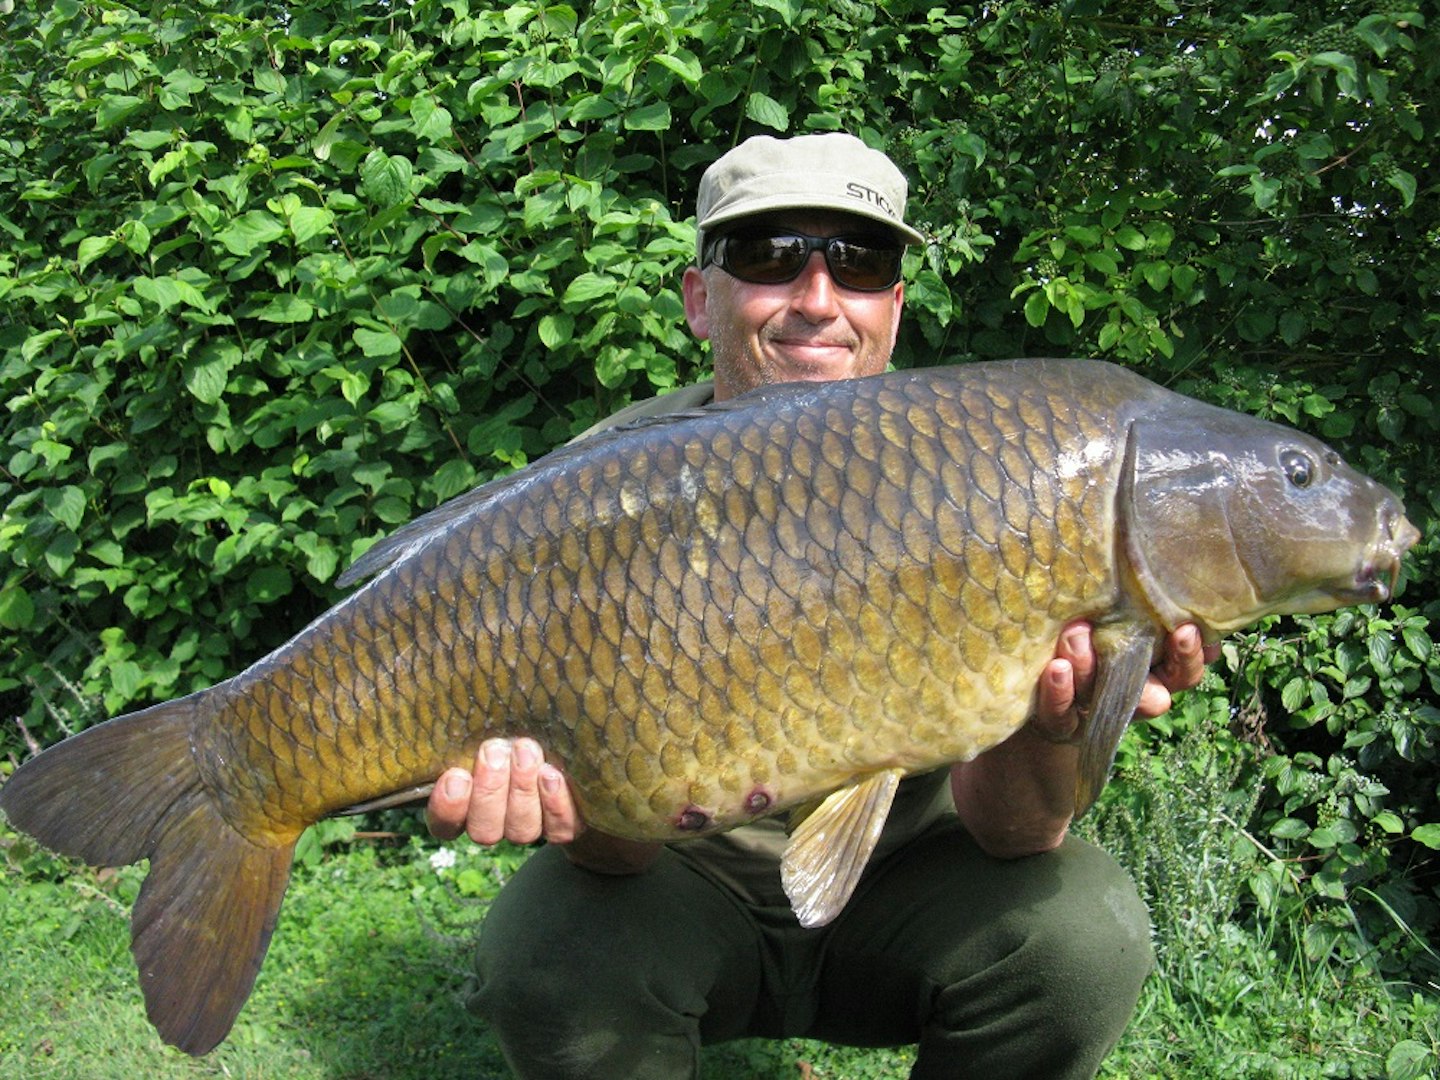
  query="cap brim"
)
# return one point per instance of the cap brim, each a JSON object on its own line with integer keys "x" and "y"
{"x": 776, "y": 203}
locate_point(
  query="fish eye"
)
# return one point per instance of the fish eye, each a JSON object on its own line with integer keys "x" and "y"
{"x": 1299, "y": 469}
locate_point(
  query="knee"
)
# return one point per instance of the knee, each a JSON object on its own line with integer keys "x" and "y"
{"x": 1085, "y": 947}
{"x": 549, "y": 943}
{"x": 646, "y": 950}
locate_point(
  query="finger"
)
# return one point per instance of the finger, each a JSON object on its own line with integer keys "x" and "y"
{"x": 560, "y": 818}
{"x": 445, "y": 811}
{"x": 1183, "y": 663}
{"x": 1057, "y": 692}
{"x": 1077, "y": 645}
{"x": 523, "y": 820}
{"x": 489, "y": 793}
{"x": 1155, "y": 698}
{"x": 1068, "y": 677}
{"x": 1055, "y": 718}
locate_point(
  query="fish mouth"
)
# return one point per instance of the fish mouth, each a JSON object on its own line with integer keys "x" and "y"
{"x": 1374, "y": 584}
{"x": 1377, "y": 577}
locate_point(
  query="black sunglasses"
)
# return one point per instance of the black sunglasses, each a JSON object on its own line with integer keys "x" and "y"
{"x": 774, "y": 256}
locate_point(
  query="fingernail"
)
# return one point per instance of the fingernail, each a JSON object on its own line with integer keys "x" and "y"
{"x": 497, "y": 753}
{"x": 550, "y": 778}
{"x": 455, "y": 787}
{"x": 527, "y": 753}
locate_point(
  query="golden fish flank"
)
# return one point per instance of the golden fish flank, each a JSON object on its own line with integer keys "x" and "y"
{"x": 789, "y": 600}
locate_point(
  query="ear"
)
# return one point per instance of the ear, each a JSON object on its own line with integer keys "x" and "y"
{"x": 697, "y": 295}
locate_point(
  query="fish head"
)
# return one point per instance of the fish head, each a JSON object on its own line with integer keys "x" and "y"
{"x": 1225, "y": 518}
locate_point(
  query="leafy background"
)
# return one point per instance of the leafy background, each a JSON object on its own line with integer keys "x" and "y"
{"x": 276, "y": 278}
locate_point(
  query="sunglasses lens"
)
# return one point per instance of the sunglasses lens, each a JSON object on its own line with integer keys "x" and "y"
{"x": 864, "y": 264}
{"x": 765, "y": 260}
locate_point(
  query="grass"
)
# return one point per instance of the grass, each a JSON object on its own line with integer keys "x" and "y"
{"x": 367, "y": 975}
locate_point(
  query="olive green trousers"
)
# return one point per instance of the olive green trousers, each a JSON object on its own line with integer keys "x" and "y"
{"x": 1028, "y": 968}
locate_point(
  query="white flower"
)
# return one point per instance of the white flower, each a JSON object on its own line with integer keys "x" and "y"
{"x": 442, "y": 860}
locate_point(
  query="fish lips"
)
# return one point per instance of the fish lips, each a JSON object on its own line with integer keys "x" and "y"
{"x": 1378, "y": 577}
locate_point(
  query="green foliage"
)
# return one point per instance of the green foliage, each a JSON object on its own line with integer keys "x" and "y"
{"x": 364, "y": 977}
{"x": 370, "y": 965}
{"x": 277, "y": 279}
{"x": 1232, "y": 999}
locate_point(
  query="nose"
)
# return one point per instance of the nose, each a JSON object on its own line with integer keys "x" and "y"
{"x": 815, "y": 290}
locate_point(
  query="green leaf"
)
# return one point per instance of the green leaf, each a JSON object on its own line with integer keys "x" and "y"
{"x": 35, "y": 344}
{"x": 1037, "y": 308}
{"x": 1295, "y": 693}
{"x": 1289, "y": 829}
{"x": 588, "y": 287}
{"x": 66, "y": 505}
{"x": 1389, "y": 822}
{"x": 93, "y": 247}
{"x": 1131, "y": 238}
{"x": 326, "y": 138}
{"x": 1408, "y": 1060}
{"x": 206, "y": 379}
{"x": 385, "y": 178}
{"x": 1418, "y": 642}
{"x": 286, "y": 308}
{"x": 683, "y": 63}
{"x": 788, "y": 10}
{"x": 377, "y": 342}
{"x": 252, "y": 230}
{"x": 652, "y": 117}
{"x": 556, "y": 329}
{"x": 310, "y": 221}
{"x": 163, "y": 292}
{"x": 1404, "y": 183}
{"x": 268, "y": 583}
{"x": 136, "y": 235}
{"x": 1429, "y": 835}
{"x": 432, "y": 120}
{"x": 391, "y": 415}
{"x": 17, "y": 610}
{"x": 765, "y": 110}
{"x": 115, "y": 109}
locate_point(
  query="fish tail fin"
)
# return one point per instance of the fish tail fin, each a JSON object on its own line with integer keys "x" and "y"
{"x": 127, "y": 790}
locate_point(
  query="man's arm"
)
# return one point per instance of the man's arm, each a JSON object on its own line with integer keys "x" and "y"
{"x": 1018, "y": 798}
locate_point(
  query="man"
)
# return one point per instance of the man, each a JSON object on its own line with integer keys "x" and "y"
{"x": 981, "y": 931}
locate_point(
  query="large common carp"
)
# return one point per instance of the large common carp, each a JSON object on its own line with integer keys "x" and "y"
{"x": 803, "y": 594}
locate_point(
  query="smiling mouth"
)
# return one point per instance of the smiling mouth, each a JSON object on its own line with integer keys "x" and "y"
{"x": 811, "y": 345}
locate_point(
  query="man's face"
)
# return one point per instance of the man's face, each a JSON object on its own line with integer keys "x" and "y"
{"x": 808, "y": 329}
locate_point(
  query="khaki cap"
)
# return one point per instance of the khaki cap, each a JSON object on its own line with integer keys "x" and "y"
{"x": 832, "y": 171}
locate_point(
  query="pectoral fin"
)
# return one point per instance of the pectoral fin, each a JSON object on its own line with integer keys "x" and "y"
{"x": 1124, "y": 654}
{"x": 414, "y": 796}
{"x": 830, "y": 847}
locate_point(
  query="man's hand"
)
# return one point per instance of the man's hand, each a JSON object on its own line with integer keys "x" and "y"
{"x": 1018, "y": 798}
{"x": 515, "y": 794}
{"x": 1068, "y": 678}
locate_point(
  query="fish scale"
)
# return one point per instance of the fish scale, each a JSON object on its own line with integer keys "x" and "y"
{"x": 789, "y": 600}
